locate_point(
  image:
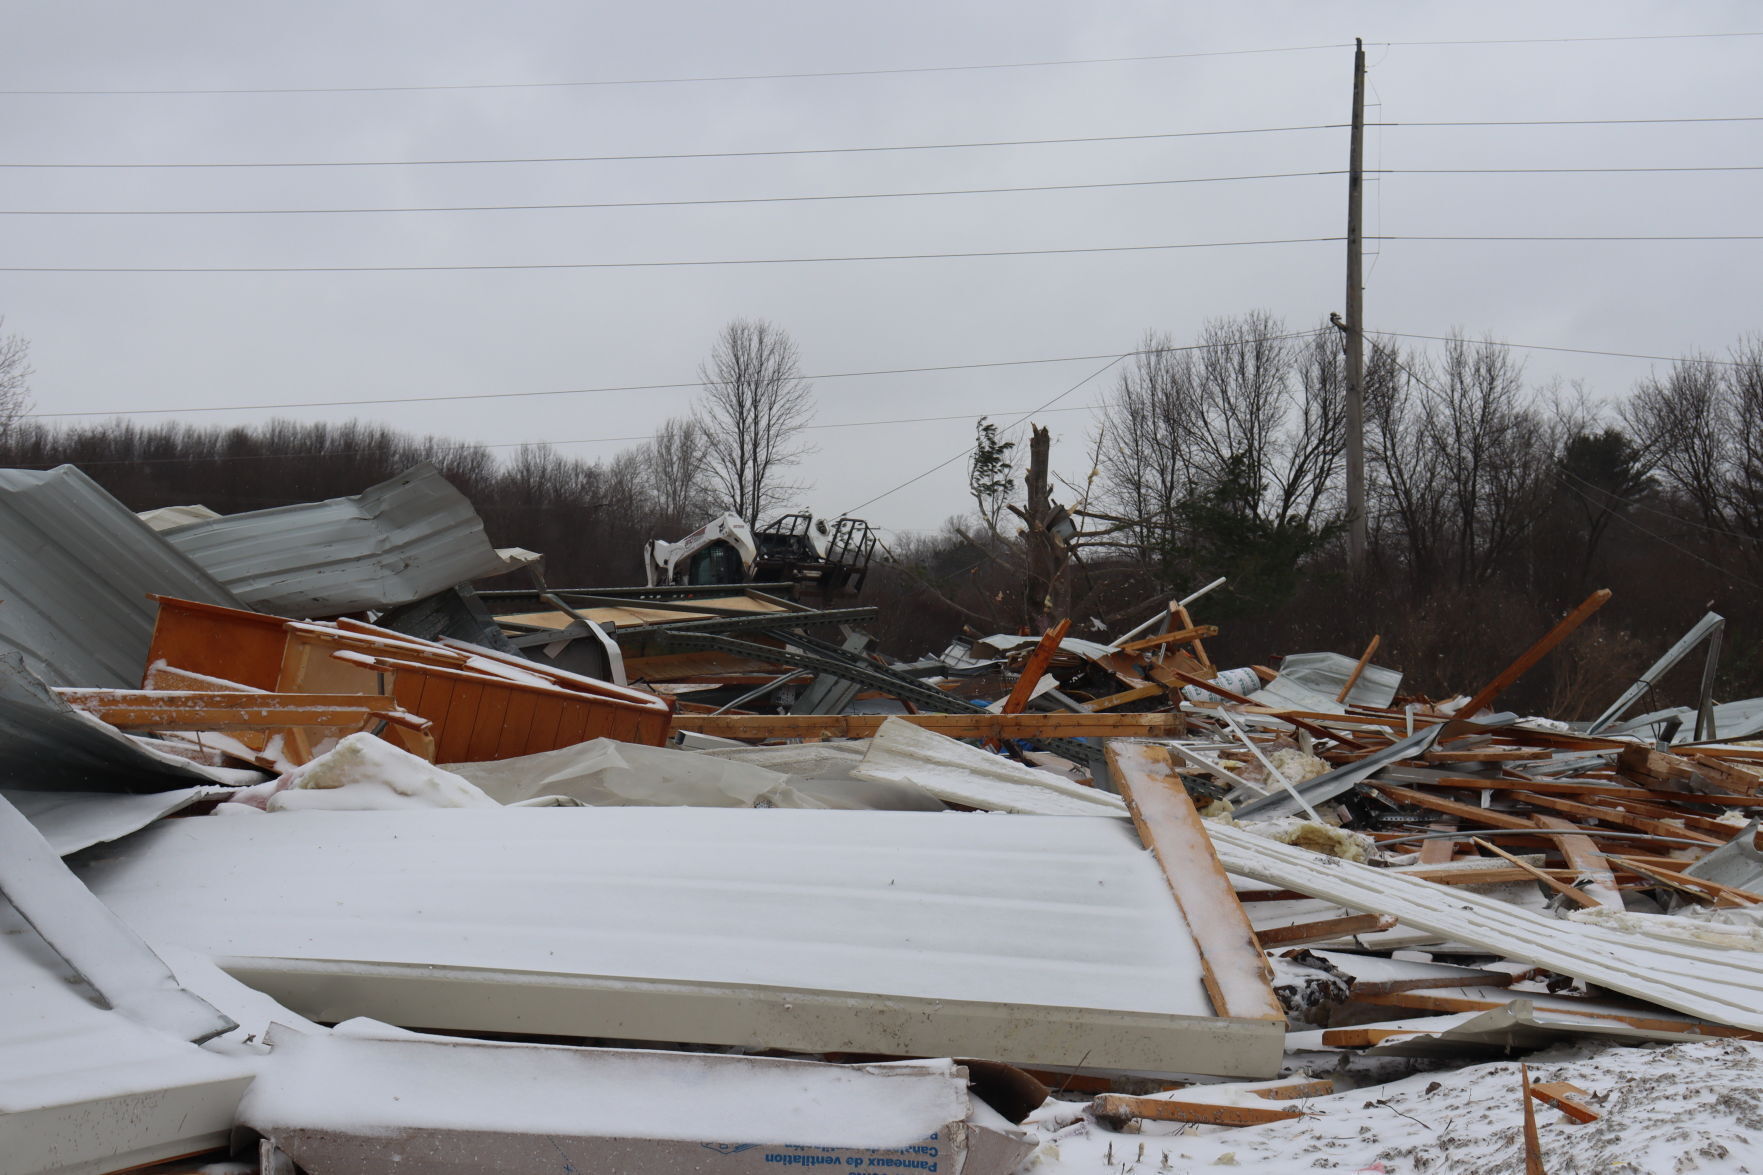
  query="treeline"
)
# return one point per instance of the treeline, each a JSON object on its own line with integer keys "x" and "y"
{"x": 1494, "y": 506}
{"x": 589, "y": 518}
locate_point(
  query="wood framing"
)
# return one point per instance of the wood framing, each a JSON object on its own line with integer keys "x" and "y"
{"x": 1236, "y": 972}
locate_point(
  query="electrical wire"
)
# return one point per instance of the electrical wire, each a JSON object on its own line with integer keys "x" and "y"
{"x": 1215, "y": 179}
{"x": 672, "y": 81}
{"x": 1569, "y": 350}
{"x": 1090, "y": 249}
{"x": 1554, "y": 170}
{"x": 725, "y": 200}
{"x": 204, "y": 460}
{"x": 964, "y": 146}
{"x": 863, "y": 150}
{"x": 119, "y": 412}
{"x": 1565, "y": 237}
{"x": 844, "y": 73}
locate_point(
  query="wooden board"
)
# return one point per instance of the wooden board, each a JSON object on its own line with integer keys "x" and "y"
{"x": 1237, "y": 974}
{"x": 1036, "y": 725}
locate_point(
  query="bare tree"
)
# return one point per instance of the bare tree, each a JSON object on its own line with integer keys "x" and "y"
{"x": 15, "y": 377}
{"x": 754, "y": 407}
{"x": 1463, "y": 465}
{"x": 673, "y": 472}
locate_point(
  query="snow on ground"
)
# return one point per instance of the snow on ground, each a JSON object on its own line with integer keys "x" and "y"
{"x": 1682, "y": 1109}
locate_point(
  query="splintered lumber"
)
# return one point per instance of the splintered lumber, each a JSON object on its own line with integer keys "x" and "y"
{"x": 1676, "y": 773}
{"x": 1057, "y": 724}
{"x": 1035, "y": 667}
{"x": 1483, "y": 816}
{"x": 1617, "y": 817}
{"x": 1237, "y": 974}
{"x": 1440, "y": 850}
{"x": 226, "y": 710}
{"x": 1535, "y": 653}
{"x": 1179, "y": 637}
{"x": 1179, "y": 614}
{"x": 1364, "y": 660}
{"x": 1564, "y": 1096}
{"x": 1697, "y": 887}
{"x": 1469, "y": 999}
{"x": 1533, "y": 1147}
{"x": 1138, "y": 694}
{"x": 1583, "y": 855}
{"x": 1323, "y": 930}
{"x": 1582, "y": 900}
{"x": 1119, "y": 1108}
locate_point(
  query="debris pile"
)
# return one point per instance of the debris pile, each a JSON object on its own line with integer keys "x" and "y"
{"x": 318, "y": 854}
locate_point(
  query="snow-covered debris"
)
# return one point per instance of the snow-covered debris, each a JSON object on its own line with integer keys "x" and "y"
{"x": 365, "y": 773}
{"x": 1682, "y": 1109}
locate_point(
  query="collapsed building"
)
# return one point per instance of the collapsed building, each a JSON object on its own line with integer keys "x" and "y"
{"x": 322, "y": 849}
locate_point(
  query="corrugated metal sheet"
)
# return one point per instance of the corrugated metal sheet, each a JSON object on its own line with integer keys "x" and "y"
{"x": 75, "y": 571}
{"x": 395, "y": 542}
{"x": 1028, "y": 939}
{"x": 47, "y": 745}
{"x": 83, "y": 1089}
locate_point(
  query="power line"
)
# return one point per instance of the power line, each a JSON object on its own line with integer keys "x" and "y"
{"x": 857, "y": 150}
{"x": 1020, "y": 418}
{"x": 121, "y": 412}
{"x": 672, "y": 81}
{"x": 861, "y": 150}
{"x": 1576, "y": 121}
{"x": 206, "y": 460}
{"x": 1569, "y": 350}
{"x": 1564, "y": 237}
{"x": 1113, "y": 184}
{"x": 1216, "y": 179}
{"x": 1571, "y": 40}
{"x": 839, "y": 73}
{"x": 1552, "y": 170}
{"x": 649, "y": 264}
{"x": 1567, "y": 485}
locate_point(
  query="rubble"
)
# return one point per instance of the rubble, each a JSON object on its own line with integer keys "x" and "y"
{"x": 656, "y": 876}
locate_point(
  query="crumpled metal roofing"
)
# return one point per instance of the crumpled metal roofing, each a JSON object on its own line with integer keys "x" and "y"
{"x": 76, "y": 567}
{"x": 392, "y": 543}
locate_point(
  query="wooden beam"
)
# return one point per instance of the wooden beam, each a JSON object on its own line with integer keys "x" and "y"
{"x": 1035, "y": 667}
{"x": 1564, "y": 1096}
{"x": 1180, "y": 636}
{"x": 1441, "y": 850}
{"x": 1120, "y": 1108}
{"x": 1445, "y": 1001}
{"x": 1236, "y": 972}
{"x": 1485, "y": 817}
{"x": 1122, "y": 698}
{"x": 1617, "y": 817}
{"x": 1504, "y": 679}
{"x": 1533, "y": 1147}
{"x": 1727, "y": 895}
{"x": 1584, "y": 856}
{"x": 1582, "y": 900}
{"x": 1180, "y": 615}
{"x": 1364, "y": 660}
{"x": 1053, "y": 724}
{"x": 1323, "y": 930}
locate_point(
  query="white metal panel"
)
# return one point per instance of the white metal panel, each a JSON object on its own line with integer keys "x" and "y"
{"x": 1045, "y": 938}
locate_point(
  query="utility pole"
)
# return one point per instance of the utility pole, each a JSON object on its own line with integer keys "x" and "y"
{"x": 1354, "y": 326}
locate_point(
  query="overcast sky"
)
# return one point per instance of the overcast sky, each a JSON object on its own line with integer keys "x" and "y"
{"x": 114, "y": 341}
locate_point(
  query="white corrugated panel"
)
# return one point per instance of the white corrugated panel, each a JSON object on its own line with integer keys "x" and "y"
{"x": 1031, "y": 939}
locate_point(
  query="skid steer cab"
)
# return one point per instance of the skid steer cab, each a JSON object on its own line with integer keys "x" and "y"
{"x": 822, "y": 557}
